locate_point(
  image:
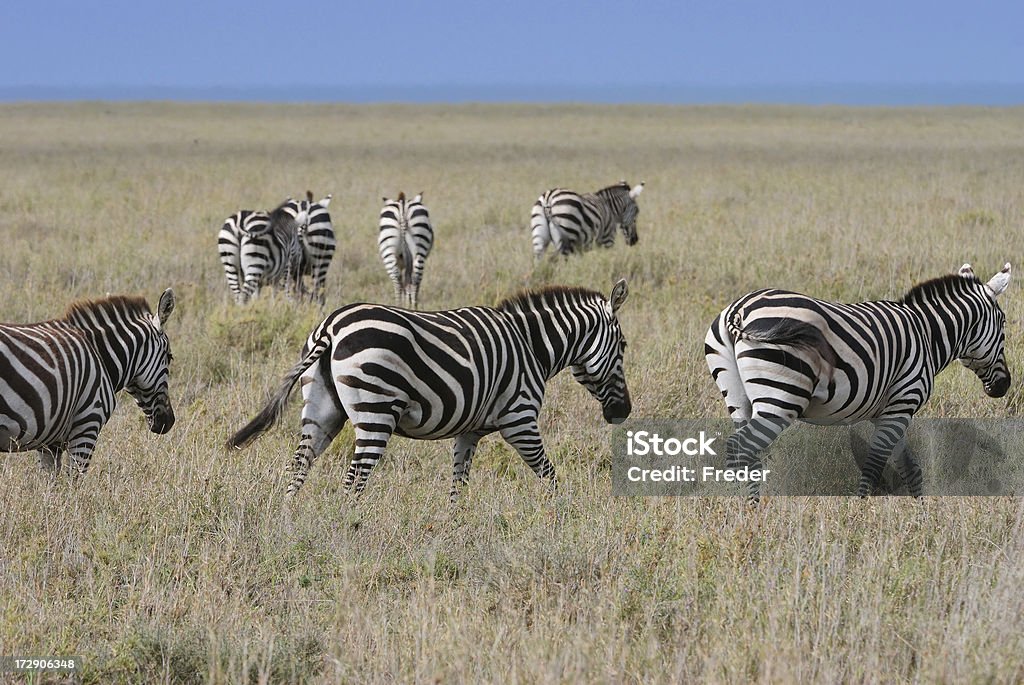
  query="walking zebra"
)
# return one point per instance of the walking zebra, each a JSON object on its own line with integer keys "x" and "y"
{"x": 59, "y": 378}
{"x": 258, "y": 249}
{"x": 778, "y": 356}
{"x": 574, "y": 223}
{"x": 404, "y": 242}
{"x": 461, "y": 373}
{"x": 316, "y": 238}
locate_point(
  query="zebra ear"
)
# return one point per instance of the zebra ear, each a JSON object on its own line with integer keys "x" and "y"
{"x": 164, "y": 309}
{"x": 326, "y": 201}
{"x": 419, "y": 197}
{"x": 998, "y": 283}
{"x": 967, "y": 271}
{"x": 619, "y": 294}
{"x": 637, "y": 189}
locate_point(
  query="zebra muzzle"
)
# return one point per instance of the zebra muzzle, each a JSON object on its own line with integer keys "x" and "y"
{"x": 998, "y": 387}
{"x": 617, "y": 412}
{"x": 162, "y": 420}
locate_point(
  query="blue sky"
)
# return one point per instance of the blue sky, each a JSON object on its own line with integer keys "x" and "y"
{"x": 527, "y": 43}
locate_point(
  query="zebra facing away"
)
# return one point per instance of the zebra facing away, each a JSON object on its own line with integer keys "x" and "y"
{"x": 258, "y": 249}
{"x": 778, "y": 356}
{"x": 461, "y": 373}
{"x": 317, "y": 241}
{"x": 261, "y": 248}
{"x": 572, "y": 222}
{"x": 404, "y": 242}
{"x": 59, "y": 378}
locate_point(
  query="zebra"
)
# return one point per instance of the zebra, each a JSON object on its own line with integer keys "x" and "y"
{"x": 778, "y": 356}
{"x": 317, "y": 243}
{"x": 59, "y": 378}
{"x": 462, "y": 373}
{"x": 572, "y": 222}
{"x": 404, "y": 243}
{"x": 262, "y": 248}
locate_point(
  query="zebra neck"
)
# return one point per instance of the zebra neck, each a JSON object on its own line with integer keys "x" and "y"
{"x": 117, "y": 352}
{"x": 946, "y": 334}
{"x": 553, "y": 338}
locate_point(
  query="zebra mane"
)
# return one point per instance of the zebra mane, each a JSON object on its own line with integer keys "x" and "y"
{"x": 613, "y": 189}
{"x": 942, "y": 285}
{"x": 535, "y": 299}
{"x": 86, "y": 310}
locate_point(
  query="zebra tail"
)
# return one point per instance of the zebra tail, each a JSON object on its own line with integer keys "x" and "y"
{"x": 407, "y": 258}
{"x": 270, "y": 413}
{"x": 783, "y": 331}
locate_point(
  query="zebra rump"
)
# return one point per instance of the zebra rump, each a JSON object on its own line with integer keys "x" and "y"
{"x": 784, "y": 332}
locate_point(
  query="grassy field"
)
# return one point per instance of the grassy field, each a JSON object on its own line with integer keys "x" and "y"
{"x": 176, "y": 561}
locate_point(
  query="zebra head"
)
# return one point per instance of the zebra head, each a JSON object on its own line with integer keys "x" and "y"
{"x": 599, "y": 369}
{"x": 149, "y": 384}
{"x": 983, "y": 351}
{"x": 630, "y": 209}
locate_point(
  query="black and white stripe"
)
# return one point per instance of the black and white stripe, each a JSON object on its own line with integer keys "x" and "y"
{"x": 462, "y": 373}
{"x": 59, "y": 378}
{"x": 572, "y": 222}
{"x": 778, "y": 356}
{"x": 259, "y": 249}
{"x": 404, "y": 242}
{"x": 317, "y": 243}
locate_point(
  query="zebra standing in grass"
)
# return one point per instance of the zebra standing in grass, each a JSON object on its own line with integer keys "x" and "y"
{"x": 317, "y": 243}
{"x": 778, "y": 356}
{"x": 404, "y": 242}
{"x": 263, "y": 248}
{"x": 572, "y": 222}
{"x": 59, "y": 378}
{"x": 462, "y": 373}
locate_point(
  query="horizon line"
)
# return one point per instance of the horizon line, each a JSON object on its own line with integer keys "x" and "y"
{"x": 822, "y": 93}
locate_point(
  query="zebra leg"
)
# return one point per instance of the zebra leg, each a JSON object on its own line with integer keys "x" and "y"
{"x": 889, "y": 430}
{"x": 396, "y": 280}
{"x": 745, "y": 445}
{"x": 251, "y": 288}
{"x": 319, "y": 292}
{"x": 253, "y": 265}
{"x": 540, "y": 235}
{"x": 80, "y": 448}
{"x": 322, "y": 419}
{"x": 465, "y": 448}
{"x": 417, "y": 277}
{"x": 910, "y": 471}
{"x": 373, "y": 431}
{"x": 526, "y": 440}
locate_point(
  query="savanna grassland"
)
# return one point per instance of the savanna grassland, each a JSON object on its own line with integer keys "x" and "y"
{"x": 177, "y": 561}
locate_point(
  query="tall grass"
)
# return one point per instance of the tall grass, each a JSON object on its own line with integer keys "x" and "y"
{"x": 176, "y": 561}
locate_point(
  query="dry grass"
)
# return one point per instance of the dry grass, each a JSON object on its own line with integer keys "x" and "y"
{"x": 175, "y": 561}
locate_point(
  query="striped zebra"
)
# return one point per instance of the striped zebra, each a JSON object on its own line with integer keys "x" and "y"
{"x": 316, "y": 238}
{"x": 404, "y": 242}
{"x": 572, "y": 222}
{"x": 59, "y": 378}
{"x": 461, "y": 373}
{"x": 778, "y": 356}
{"x": 258, "y": 249}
